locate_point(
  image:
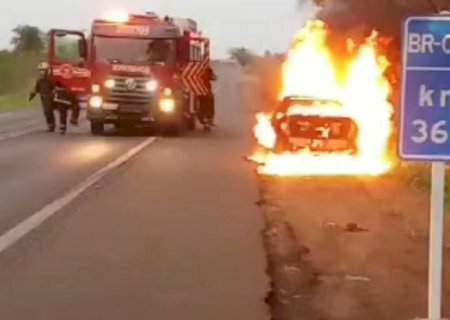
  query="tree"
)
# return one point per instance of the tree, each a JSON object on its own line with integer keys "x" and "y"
{"x": 28, "y": 39}
{"x": 242, "y": 55}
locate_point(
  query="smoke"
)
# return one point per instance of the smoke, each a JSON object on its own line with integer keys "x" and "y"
{"x": 384, "y": 16}
{"x": 357, "y": 19}
{"x": 307, "y": 10}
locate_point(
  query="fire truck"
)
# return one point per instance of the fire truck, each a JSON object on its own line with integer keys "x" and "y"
{"x": 134, "y": 70}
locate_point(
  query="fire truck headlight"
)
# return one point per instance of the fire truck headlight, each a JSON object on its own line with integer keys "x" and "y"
{"x": 151, "y": 85}
{"x": 96, "y": 102}
{"x": 95, "y": 88}
{"x": 167, "y": 92}
{"x": 167, "y": 105}
{"x": 110, "y": 83}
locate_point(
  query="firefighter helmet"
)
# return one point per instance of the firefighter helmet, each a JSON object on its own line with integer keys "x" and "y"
{"x": 43, "y": 66}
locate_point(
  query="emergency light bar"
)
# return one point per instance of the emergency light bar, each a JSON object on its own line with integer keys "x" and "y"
{"x": 117, "y": 16}
{"x": 158, "y": 31}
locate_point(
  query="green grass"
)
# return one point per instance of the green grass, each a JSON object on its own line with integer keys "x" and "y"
{"x": 15, "y": 102}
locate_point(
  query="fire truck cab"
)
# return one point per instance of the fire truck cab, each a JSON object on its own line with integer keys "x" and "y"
{"x": 134, "y": 70}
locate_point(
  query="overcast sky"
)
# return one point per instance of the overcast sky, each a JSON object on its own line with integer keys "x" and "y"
{"x": 257, "y": 24}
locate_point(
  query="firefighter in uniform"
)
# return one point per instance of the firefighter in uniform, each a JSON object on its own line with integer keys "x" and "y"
{"x": 44, "y": 87}
{"x": 64, "y": 101}
{"x": 207, "y": 102}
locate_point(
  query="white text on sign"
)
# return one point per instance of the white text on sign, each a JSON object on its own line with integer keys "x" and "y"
{"x": 429, "y": 97}
{"x": 427, "y": 43}
{"x": 436, "y": 133}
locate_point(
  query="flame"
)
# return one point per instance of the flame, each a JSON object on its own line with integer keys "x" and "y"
{"x": 361, "y": 87}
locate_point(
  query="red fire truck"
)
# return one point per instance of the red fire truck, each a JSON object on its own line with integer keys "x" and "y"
{"x": 134, "y": 70}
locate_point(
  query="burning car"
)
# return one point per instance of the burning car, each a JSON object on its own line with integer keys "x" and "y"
{"x": 335, "y": 113}
{"x": 315, "y": 124}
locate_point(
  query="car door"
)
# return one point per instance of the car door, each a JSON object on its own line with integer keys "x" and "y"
{"x": 68, "y": 60}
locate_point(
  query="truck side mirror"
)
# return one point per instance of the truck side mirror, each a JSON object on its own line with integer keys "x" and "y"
{"x": 82, "y": 47}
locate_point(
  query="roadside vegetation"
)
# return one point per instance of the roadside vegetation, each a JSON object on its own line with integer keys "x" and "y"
{"x": 18, "y": 67}
{"x": 418, "y": 175}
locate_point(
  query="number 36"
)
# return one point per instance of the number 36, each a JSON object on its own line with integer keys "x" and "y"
{"x": 438, "y": 134}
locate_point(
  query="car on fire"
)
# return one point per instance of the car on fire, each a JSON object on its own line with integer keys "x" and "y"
{"x": 313, "y": 123}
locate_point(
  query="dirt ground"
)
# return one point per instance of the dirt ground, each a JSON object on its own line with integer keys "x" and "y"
{"x": 346, "y": 248}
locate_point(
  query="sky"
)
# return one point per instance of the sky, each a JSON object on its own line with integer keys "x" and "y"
{"x": 256, "y": 24}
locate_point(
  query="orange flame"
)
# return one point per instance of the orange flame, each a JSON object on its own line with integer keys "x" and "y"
{"x": 363, "y": 90}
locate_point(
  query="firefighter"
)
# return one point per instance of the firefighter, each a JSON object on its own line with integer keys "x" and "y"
{"x": 158, "y": 51}
{"x": 74, "y": 119}
{"x": 64, "y": 101}
{"x": 207, "y": 102}
{"x": 44, "y": 88}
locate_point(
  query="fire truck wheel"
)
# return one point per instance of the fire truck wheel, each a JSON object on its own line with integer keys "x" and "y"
{"x": 97, "y": 128}
{"x": 170, "y": 130}
{"x": 190, "y": 123}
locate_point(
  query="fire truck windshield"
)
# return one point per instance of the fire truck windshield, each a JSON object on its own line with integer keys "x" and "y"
{"x": 132, "y": 50}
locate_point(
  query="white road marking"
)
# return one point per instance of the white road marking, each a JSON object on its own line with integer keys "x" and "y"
{"x": 12, "y": 236}
{"x": 216, "y": 88}
{"x": 17, "y": 133}
{"x": 5, "y": 114}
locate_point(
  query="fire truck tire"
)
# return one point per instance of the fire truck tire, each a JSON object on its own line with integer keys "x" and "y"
{"x": 190, "y": 123}
{"x": 97, "y": 128}
{"x": 170, "y": 130}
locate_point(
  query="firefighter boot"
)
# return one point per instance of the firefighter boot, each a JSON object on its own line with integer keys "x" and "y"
{"x": 63, "y": 129}
{"x": 62, "y": 119}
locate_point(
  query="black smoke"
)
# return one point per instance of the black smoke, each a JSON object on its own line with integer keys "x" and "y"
{"x": 385, "y": 16}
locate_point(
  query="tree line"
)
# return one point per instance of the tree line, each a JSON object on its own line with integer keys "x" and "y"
{"x": 18, "y": 65}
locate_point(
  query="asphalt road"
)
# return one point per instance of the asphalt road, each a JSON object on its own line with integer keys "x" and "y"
{"x": 15, "y": 124}
{"x": 171, "y": 234}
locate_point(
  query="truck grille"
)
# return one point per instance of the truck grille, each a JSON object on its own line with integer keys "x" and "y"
{"x": 123, "y": 92}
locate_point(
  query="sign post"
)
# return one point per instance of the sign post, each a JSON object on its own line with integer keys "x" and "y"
{"x": 436, "y": 241}
{"x": 425, "y": 125}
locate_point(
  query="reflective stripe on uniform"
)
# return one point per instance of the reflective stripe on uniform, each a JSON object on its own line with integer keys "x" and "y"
{"x": 62, "y": 101}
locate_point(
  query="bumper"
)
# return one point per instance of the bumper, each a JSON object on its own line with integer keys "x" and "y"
{"x": 130, "y": 113}
{"x": 332, "y": 145}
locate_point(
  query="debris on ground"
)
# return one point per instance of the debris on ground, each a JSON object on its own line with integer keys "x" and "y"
{"x": 354, "y": 228}
{"x": 357, "y": 278}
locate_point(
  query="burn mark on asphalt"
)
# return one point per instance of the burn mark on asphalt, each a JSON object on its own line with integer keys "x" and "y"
{"x": 294, "y": 281}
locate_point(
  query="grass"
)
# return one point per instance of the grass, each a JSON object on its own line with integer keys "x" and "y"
{"x": 15, "y": 102}
{"x": 418, "y": 175}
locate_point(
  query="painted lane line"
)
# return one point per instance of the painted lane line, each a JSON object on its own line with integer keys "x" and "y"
{"x": 12, "y": 236}
{"x": 216, "y": 88}
{"x": 5, "y": 114}
{"x": 18, "y": 133}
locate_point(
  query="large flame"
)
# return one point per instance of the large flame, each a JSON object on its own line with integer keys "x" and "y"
{"x": 363, "y": 90}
